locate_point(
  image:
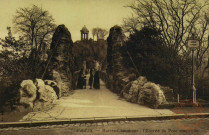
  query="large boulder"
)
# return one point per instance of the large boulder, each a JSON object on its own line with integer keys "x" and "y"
{"x": 136, "y": 87}
{"x": 40, "y": 86}
{"x": 49, "y": 95}
{"x": 54, "y": 85}
{"x": 37, "y": 95}
{"x": 125, "y": 91}
{"x": 151, "y": 95}
{"x": 46, "y": 93}
{"x": 28, "y": 93}
{"x": 133, "y": 93}
{"x": 47, "y": 99}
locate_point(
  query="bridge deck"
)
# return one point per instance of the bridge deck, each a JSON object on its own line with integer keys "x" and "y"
{"x": 86, "y": 103}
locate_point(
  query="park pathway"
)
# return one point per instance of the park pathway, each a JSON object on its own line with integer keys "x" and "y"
{"x": 91, "y": 103}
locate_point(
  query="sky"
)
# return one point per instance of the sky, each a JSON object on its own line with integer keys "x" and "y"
{"x": 74, "y": 14}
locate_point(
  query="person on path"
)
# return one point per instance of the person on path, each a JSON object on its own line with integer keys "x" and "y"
{"x": 80, "y": 80}
{"x": 91, "y": 78}
{"x": 96, "y": 84}
{"x": 84, "y": 81}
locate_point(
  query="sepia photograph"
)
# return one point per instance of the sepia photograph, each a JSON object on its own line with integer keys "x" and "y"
{"x": 104, "y": 67}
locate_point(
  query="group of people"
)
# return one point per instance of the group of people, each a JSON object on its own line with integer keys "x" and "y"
{"x": 93, "y": 79}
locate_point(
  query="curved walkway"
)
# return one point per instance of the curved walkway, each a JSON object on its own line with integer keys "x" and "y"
{"x": 89, "y": 103}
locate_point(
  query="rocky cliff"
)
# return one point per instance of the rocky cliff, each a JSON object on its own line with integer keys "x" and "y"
{"x": 60, "y": 59}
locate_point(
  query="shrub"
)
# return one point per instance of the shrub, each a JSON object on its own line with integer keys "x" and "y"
{"x": 203, "y": 88}
{"x": 13, "y": 72}
{"x": 159, "y": 63}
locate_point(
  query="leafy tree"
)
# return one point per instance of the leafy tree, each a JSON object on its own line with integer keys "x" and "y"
{"x": 14, "y": 66}
{"x": 36, "y": 27}
{"x": 158, "y": 62}
{"x": 21, "y": 58}
{"x": 16, "y": 48}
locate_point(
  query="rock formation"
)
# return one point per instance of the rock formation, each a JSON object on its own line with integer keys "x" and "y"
{"x": 60, "y": 67}
{"x": 133, "y": 93}
{"x": 46, "y": 96}
{"x": 45, "y": 92}
{"x": 151, "y": 95}
{"x": 124, "y": 81}
{"x": 53, "y": 84}
{"x": 28, "y": 92}
{"x": 37, "y": 95}
{"x": 142, "y": 91}
{"x": 116, "y": 72}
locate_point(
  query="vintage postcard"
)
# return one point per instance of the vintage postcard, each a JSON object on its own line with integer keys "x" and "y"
{"x": 104, "y": 67}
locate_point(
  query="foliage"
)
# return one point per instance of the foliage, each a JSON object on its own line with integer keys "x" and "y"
{"x": 15, "y": 67}
{"x": 158, "y": 62}
{"x": 99, "y": 33}
{"x": 177, "y": 19}
{"x": 36, "y": 27}
{"x": 203, "y": 88}
{"x": 23, "y": 58}
{"x": 14, "y": 71}
{"x": 89, "y": 51}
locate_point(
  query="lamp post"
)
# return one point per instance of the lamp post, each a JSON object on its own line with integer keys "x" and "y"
{"x": 193, "y": 83}
{"x": 193, "y": 44}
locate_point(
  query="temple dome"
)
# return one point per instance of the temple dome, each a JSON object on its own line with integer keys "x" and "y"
{"x": 84, "y": 30}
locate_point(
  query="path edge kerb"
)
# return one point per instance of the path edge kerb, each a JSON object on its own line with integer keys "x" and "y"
{"x": 103, "y": 119}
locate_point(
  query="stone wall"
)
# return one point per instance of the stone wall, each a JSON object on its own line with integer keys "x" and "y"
{"x": 60, "y": 59}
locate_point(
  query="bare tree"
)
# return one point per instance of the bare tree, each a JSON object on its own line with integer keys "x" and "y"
{"x": 130, "y": 24}
{"x": 177, "y": 20}
{"x": 202, "y": 33}
{"x": 36, "y": 26}
{"x": 99, "y": 33}
{"x": 102, "y": 33}
{"x": 94, "y": 32}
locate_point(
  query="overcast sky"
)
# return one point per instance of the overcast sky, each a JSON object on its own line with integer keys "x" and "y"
{"x": 73, "y": 13}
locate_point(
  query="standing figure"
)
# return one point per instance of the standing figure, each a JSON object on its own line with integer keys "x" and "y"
{"x": 91, "y": 78}
{"x": 84, "y": 67}
{"x": 84, "y": 74}
{"x": 80, "y": 80}
{"x": 96, "y": 80}
{"x": 84, "y": 81}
